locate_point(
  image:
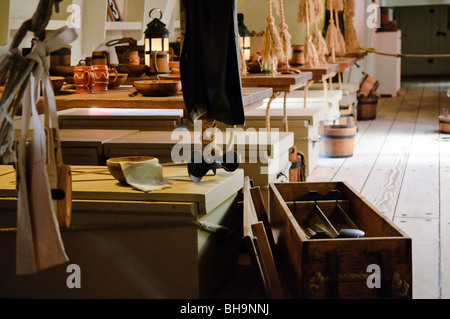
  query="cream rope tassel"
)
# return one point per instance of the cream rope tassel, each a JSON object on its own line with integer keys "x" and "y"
{"x": 311, "y": 56}
{"x": 340, "y": 36}
{"x": 285, "y": 36}
{"x": 272, "y": 45}
{"x": 332, "y": 36}
{"x": 305, "y": 12}
{"x": 351, "y": 40}
{"x": 320, "y": 44}
{"x": 337, "y": 5}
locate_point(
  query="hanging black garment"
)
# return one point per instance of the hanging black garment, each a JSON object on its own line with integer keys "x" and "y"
{"x": 210, "y": 61}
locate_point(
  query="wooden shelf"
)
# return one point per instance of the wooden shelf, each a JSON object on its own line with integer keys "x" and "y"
{"x": 123, "y": 25}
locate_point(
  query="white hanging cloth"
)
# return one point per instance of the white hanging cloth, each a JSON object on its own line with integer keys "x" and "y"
{"x": 39, "y": 243}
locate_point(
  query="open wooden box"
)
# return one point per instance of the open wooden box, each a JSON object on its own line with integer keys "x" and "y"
{"x": 338, "y": 267}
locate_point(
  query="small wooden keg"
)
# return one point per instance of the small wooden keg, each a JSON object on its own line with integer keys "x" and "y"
{"x": 298, "y": 55}
{"x": 61, "y": 57}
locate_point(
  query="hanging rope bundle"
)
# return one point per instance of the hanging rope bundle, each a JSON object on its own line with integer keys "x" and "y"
{"x": 320, "y": 44}
{"x": 272, "y": 45}
{"x": 285, "y": 36}
{"x": 334, "y": 38}
{"x": 351, "y": 40}
{"x": 307, "y": 13}
{"x": 317, "y": 36}
{"x": 337, "y": 5}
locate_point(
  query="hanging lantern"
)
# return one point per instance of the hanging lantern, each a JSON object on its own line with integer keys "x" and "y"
{"x": 156, "y": 42}
{"x": 244, "y": 36}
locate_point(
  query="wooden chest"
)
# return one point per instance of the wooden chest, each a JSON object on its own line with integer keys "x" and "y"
{"x": 123, "y": 119}
{"x": 132, "y": 244}
{"x": 314, "y": 99}
{"x": 303, "y": 123}
{"x": 265, "y": 157}
{"x": 349, "y": 92}
{"x": 378, "y": 265}
{"x": 85, "y": 146}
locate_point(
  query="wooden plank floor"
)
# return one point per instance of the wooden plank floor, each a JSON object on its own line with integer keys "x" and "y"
{"x": 401, "y": 164}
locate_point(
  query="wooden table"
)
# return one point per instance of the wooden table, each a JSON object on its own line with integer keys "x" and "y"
{"x": 321, "y": 72}
{"x": 252, "y": 98}
{"x": 279, "y": 82}
{"x": 344, "y": 63}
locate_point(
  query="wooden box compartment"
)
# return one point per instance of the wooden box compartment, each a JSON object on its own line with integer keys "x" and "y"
{"x": 116, "y": 118}
{"x": 133, "y": 244}
{"x": 338, "y": 267}
{"x": 303, "y": 123}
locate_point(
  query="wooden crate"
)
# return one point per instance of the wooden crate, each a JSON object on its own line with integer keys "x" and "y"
{"x": 338, "y": 267}
{"x": 123, "y": 119}
{"x": 133, "y": 244}
{"x": 303, "y": 123}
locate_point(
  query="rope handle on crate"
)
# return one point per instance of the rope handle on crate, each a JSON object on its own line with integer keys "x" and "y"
{"x": 397, "y": 285}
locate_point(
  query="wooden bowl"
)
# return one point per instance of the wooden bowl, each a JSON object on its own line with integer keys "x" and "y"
{"x": 133, "y": 70}
{"x": 157, "y": 87}
{"x": 115, "y": 169}
{"x": 172, "y": 77}
{"x": 61, "y": 70}
{"x": 121, "y": 78}
{"x": 57, "y": 82}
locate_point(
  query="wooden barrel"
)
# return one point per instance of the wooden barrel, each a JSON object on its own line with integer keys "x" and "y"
{"x": 337, "y": 141}
{"x": 61, "y": 56}
{"x": 444, "y": 124}
{"x": 368, "y": 85}
{"x": 367, "y": 108}
{"x": 298, "y": 55}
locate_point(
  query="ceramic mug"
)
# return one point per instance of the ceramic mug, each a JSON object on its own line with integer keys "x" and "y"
{"x": 83, "y": 78}
{"x": 102, "y": 77}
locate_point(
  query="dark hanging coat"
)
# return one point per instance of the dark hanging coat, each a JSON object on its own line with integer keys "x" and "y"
{"x": 210, "y": 60}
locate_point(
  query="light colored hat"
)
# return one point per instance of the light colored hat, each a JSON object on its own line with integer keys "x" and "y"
{"x": 144, "y": 175}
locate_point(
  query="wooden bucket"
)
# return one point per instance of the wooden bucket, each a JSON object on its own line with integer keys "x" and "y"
{"x": 298, "y": 55}
{"x": 367, "y": 108}
{"x": 444, "y": 122}
{"x": 368, "y": 85}
{"x": 337, "y": 141}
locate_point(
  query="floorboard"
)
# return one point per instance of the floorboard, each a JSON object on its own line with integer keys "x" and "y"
{"x": 401, "y": 164}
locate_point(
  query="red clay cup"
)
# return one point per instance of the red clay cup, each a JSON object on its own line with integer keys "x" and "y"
{"x": 83, "y": 78}
{"x": 102, "y": 77}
